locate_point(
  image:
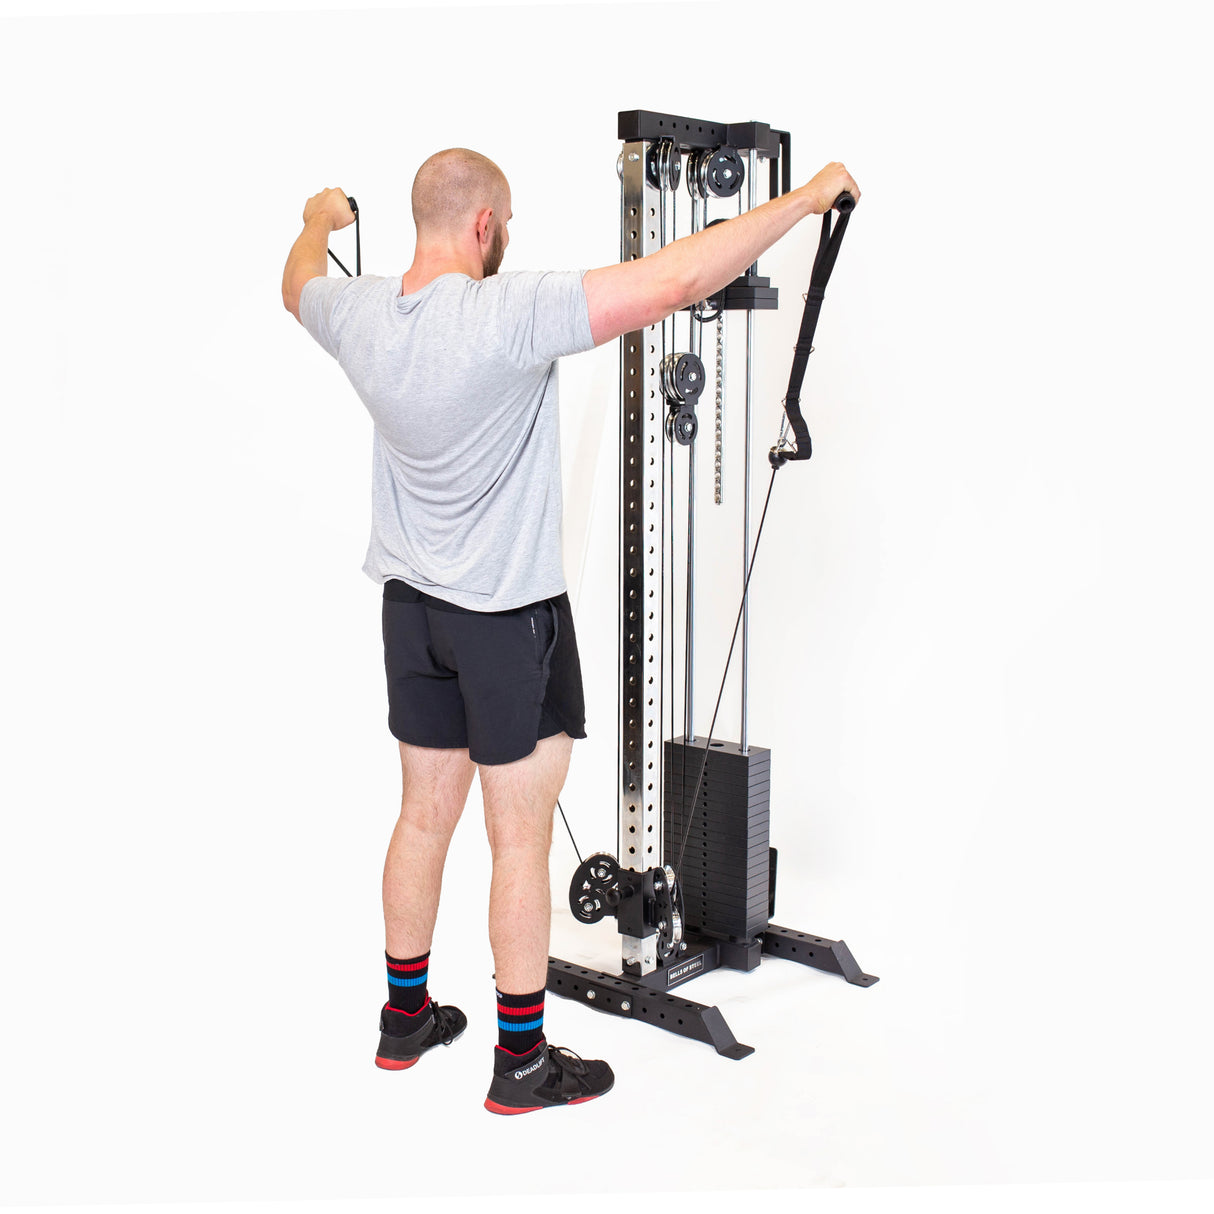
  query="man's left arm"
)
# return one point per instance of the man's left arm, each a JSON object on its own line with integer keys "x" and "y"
{"x": 324, "y": 213}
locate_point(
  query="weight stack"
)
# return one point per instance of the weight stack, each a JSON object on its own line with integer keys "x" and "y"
{"x": 725, "y": 873}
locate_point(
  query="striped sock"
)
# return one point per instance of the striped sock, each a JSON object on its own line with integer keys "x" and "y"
{"x": 407, "y": 983}
{"x": 520, "y": 1021}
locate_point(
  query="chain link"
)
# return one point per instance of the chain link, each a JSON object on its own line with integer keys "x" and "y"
{"x": 716, "y": 462}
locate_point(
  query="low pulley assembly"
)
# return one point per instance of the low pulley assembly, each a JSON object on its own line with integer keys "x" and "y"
{"x": 643, "y": 903}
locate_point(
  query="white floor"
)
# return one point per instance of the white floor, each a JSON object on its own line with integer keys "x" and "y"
{"x": 204, "y": 1075}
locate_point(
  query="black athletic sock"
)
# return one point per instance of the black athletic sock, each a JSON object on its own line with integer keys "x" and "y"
{"x": 407, "y": 983}
{"x": 520, "y": 1021}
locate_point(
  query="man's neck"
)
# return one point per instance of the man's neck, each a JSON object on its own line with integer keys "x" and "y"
{"x": 431, "y": 263}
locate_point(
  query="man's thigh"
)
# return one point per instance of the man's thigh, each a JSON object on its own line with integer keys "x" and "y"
{"x": 520, "y": 797}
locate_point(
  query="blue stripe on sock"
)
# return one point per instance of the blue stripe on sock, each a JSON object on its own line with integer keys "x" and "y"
{"x": 519, "y": 1028}
{"x": 407, "y": 981}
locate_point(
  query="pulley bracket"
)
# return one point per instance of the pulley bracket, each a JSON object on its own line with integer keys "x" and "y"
{"x": 645, "y": 904}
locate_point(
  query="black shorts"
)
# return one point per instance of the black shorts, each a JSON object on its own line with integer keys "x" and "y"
{"x": 493, "y": 682}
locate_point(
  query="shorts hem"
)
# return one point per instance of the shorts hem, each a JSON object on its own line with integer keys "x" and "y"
{"x": 428, "y": 745}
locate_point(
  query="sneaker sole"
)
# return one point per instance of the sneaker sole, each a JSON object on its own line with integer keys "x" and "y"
{"x": 494, "y": 1107}
{"x": 396, "y": 1064}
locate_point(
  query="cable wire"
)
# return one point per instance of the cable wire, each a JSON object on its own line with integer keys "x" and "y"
{"x": 733, "y": 640}
{"x": 571, "y": 838}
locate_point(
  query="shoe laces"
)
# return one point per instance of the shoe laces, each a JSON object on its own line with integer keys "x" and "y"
{"x": 567, "y": 1060}
{"x": 444, "y": 1021}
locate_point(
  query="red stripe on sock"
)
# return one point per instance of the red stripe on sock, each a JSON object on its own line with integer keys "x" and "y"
{"x": 416, "y": 965}
{"x": 520, "y": 1011}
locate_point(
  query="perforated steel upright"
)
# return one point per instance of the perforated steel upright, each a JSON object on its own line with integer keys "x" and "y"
{"x": 642, "y": 419}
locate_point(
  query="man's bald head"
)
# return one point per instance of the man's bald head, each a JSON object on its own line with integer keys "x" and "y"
{"x": 452, "y": 187}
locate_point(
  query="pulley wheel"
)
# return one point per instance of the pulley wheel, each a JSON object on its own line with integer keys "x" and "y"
{"x": 724, "y": 172}
{"x": 682, "y": 379}
{"x": 695, "y": 178}
{"x": 669, "y": 915}
{"x": 595, "y": 888}
{"x": 664, "y": 165}
{"x": 682, "y": 425}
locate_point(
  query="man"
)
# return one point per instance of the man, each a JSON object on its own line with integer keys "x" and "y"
{"x": 457, "y": 366}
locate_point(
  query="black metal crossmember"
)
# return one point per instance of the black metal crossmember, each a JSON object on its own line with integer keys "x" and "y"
{"x": 619, "y": 996}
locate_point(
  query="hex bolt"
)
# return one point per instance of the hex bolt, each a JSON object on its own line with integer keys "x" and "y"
{"x": 590, "y": 994}
{"x": 625, "y": 1006}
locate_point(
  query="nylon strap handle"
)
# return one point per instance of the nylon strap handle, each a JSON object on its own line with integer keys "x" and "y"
{"x": 824, "y": 263}
{"x": 358, "y": 245}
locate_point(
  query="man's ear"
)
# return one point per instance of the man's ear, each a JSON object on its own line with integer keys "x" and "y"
{"x": 484, "y": 226}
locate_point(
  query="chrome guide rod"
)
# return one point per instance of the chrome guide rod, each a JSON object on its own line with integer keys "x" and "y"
{"x": 695, "y": 335}
{"x": 750, "y": 174}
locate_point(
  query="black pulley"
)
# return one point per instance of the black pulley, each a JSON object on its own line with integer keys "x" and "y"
{"x": 682, "y": 379}
{"x": 723, "y": 172}
{"x": 682, "y": 425}
{"x": 595, "y": 888}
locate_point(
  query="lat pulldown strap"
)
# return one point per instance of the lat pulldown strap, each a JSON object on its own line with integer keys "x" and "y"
{"x": 358, "y": 246}
{"x": 824, "y": 263}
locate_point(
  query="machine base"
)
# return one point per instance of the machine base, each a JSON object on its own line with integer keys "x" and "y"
{"x": 648, "y": 998}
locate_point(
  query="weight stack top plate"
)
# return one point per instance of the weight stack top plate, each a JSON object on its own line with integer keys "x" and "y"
{"x": 725, "y": 870}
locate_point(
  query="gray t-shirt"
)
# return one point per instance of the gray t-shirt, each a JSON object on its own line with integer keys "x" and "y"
{"x": 460, "y": 380}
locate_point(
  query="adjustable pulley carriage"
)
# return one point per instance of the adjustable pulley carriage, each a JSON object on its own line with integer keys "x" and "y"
{"x": 692, "y": 886}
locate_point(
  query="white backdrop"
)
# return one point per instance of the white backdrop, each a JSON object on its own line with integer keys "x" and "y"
{"x": 981, "y": 646}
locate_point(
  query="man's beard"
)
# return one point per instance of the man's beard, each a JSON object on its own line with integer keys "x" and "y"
{"x": 493, "y": 259}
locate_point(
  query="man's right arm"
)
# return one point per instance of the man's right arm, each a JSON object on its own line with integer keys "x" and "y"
{"x": 634, "y": 294}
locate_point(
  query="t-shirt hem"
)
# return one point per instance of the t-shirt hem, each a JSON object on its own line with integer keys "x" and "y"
{"x": 476, "y": 602}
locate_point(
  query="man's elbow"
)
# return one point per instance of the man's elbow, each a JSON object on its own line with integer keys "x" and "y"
{"x": 290, "y": 297}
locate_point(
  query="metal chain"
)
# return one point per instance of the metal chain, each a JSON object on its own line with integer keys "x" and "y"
{"x": 716, "y": 460}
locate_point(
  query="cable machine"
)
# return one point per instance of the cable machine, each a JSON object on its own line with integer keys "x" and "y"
{"x": 692, "y": 885}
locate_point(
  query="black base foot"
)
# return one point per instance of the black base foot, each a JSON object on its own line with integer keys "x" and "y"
{"x": 620, "y": 996}
{"x": 833, "y": 956}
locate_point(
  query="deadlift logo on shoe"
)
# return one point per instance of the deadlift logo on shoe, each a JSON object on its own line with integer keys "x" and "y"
{"x": 535, "y": 1066}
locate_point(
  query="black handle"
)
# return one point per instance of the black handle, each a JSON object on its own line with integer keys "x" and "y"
{"x": 353, "y": 204}
{"x": 844, "y": 203}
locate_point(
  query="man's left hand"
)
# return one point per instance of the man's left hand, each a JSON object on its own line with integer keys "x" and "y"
{"x": 331, "y": 207}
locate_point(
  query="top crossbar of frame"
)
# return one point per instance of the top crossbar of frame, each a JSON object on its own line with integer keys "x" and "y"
{"x": 692, "y": 133}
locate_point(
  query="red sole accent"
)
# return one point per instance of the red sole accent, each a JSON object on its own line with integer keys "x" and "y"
{"x": 494, "y": 1107}
{"x": 395, "y": 1064}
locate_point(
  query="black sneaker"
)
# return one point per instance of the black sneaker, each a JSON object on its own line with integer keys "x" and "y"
{"x": 404, "y": 1039}
{"x": 547, "y": 1076}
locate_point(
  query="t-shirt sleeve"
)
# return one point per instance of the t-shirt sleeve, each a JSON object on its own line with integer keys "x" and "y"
{"x": 544, "y": 316}
{"x": 322, "y": 310}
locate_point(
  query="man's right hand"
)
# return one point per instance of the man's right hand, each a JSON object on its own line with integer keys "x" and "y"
{"x": 630, "y": 295}
{"x": 827, "y": 185}
{"x": 330, "y": 206}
